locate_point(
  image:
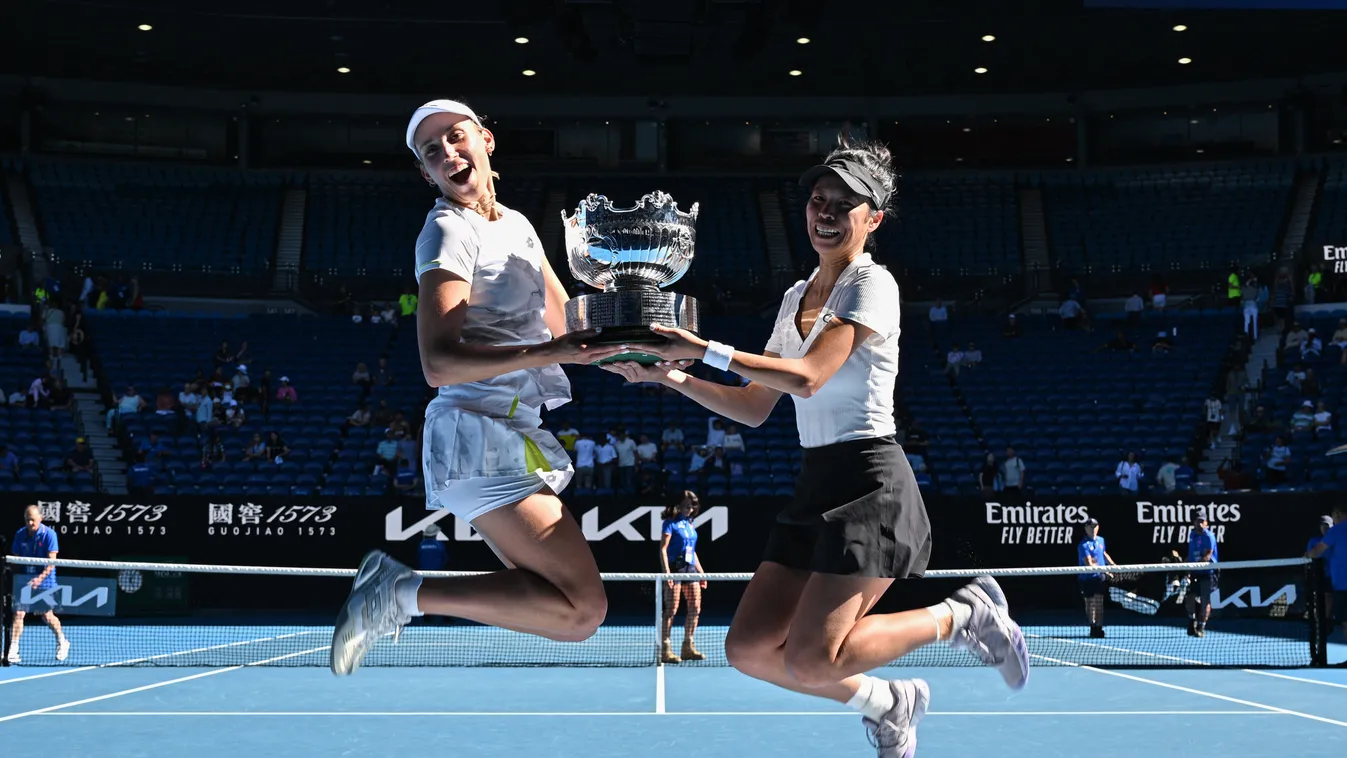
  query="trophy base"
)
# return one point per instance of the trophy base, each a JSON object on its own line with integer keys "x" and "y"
{"x": 625, "y": 316}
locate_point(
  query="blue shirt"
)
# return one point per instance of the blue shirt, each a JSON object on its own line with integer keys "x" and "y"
{"x": 1328, "y": 569}
{"x": 1183, "y": 477}
{"x": 139, "y": 474}
{"x": 1090, "y": 547}
{"x": 682, "y": 542}
{"x": 1336, "y": 539}
{"x": 432, "y": 556}
{"x": 1199, "y": 542}
{"x": 39, "y": 545}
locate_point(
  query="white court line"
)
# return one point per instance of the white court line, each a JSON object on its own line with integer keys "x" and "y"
{"x": 1319, "y": 682}
{"x": 659, "y": 688}
{"x": 156, "y": 685}
{"x": 634, "y": 714}
{"x": 132, "y": 661}
{"x": 1117, "y": 649}
{"x": 1193, "y": 691}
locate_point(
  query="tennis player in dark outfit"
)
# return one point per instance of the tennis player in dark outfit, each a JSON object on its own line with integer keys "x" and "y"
{"x": 857, "y": 521}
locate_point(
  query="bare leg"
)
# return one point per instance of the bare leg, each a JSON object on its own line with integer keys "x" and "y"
{"x": 1094, "y": 609}
{"x": 16, "y": 630}
{"x": 551, "y": 588}
{"x": 693, "y": 591}
{"x": 55, "y": 624}
{"x": 671, "y": 596}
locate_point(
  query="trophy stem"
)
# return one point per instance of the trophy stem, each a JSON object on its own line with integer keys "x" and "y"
{"x": 630, "y": 284}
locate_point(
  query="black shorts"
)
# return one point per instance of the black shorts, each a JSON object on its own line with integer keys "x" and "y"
{"x": 1340, "y": 606}
{"x": 857, "y": 511}
{"x": 1203, "y": 585}
{"x": 1092, "y": 587}
{"x": 682, "y": 567}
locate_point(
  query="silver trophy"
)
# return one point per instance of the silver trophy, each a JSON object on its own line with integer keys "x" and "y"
{"x": 631, "y": 254}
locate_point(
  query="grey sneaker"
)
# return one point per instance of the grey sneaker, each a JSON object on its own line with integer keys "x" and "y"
{"x": 371, "y": 612}
{"x": 991, "y": 634}
{"x": 896, "y": 735}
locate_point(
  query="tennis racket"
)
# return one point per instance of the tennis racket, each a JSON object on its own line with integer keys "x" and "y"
{"x": 1133, "y": 602}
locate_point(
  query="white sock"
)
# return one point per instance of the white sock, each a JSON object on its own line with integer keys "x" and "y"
{"x": 961, "y": 612}
{"x": 405, "y": 591}
{"x": 873, "y": 699}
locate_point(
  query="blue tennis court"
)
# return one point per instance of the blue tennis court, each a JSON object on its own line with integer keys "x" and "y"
{"x": 710, "y": 712}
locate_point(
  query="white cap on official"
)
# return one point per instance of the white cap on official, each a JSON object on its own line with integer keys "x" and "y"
{"x": 431, "y": 108}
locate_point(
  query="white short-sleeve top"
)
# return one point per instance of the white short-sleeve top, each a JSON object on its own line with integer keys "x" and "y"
{"x": 857, "y": 402}
{"x": 503, "y": 260}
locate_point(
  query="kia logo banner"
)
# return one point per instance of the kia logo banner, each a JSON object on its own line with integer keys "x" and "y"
{"x": 70, "y": 595}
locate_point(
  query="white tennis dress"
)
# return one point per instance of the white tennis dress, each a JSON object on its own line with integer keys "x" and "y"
{"x": 482, "y": 446}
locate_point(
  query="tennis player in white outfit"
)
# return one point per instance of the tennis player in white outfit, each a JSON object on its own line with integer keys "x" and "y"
{"x": 857, "y": 521}
{"x": 491, "y": 330}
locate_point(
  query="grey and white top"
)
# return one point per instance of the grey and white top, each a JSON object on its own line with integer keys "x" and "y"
{"x": 857, "y": 402}
{"x": 503, "y": 260}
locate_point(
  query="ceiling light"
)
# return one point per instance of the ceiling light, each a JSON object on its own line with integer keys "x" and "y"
{"x": 1180, "y": 28}
{"x": 1200, "y": 151}
{"x": 367, "y": 161}
{"x": 967, "y": 129}
{"x": 802, "y": 41}
{"x": 979, "y": 70}
{"x": 521, "y": 40}
{"x": 144, "y": 27}
{"x": 795, "y": 72}
{"x": 343, "y": 70}
{"x": 528, "y": 72}
{"x": 1185, "y": 61}
{"x": 988, "y": 38}
{"x": 1069, "y": 160}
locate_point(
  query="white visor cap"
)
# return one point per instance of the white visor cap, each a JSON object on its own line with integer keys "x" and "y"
{"x": 431, "y": 108}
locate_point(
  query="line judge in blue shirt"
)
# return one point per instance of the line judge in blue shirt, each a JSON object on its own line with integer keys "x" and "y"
{"x": 1202, "y": 548}
{"x": 678, "y": 555}
{"x": 1325, "y": 523}
{"x": 35, "y": 540}
{"x": 1090, "y": 552}
{"x": 1334, "y": 545}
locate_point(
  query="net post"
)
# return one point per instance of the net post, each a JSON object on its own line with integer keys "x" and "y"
{"x": 1320, "y": 626}
{"x": 6, "y": 610}
{"x": 659, "y": 621}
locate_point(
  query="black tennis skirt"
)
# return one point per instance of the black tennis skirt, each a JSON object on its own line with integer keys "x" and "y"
{"x": 857, "y": 511}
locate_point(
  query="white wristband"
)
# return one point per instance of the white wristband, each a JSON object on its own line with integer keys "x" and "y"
{"x": 718, "y": 355}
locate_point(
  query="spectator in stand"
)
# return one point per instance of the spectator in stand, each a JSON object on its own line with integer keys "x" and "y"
{"x": 383, "y": 414}
{"x": 405, "y": 481}
{"x": 205, "y": 411}
{"x": 223, "y": 356}
{"x": 953, "y": 360}
{"x": 626, "y": 462}
{"x": 1184, "y": 476}
{"x": 647, "y": 451}
{"x": 233, "y": 414}
{"x": 153, "y": 448}
{"x": 605, "y": 455}
{"x": 1295, "y": 378}
{"x": 262, "y": 392}
{"x": 139, "y": 478}
{"x": 697, "y": 463}
{"x": 1302, "y": 421}
{"x": 359, "y": 418}
{"x": 61, "y": 398}
{"x": 1312, "y": 347}
{"x": 361, "y": 377}
{"x": 1133, "y": 307}
{"x": 241, "y": 383}
{"x": 1215, "y": 410}
{"x": 972, "y": 356}
{"x": 30, "y": 341}
{"x": 386, "y": 454}
{"x": 1119, "y": 342}
{"x": 256, "y": 450}
{"x": 81, "y": 459}
{"x": 276, "y": 448}
{"x": 1129, "y": 474}
{"x": 128, "y": 404}
{"x": 1159, "y": 292}
{"x": 244, "y": 355}
{"x": 717, "y": 462}
{"x": 1295, "y": 338}
{"x": 39, "y": 392}
{"x": 733, "y": 439}
{"x": 672, "y": 438}
{"x": 567, "y": 437}
{"x": 213, "y": 451}
{"x": 938, "y": 313}
{"x": 1310, "y": 387}
{"x": 407, "y": 447}
{"x": 1012, "y": 473}
{"x": 287, "y": 394}
{"x": 1277, "y": 459}
{"x": 8, "y": 460}
{"x": 53, "y": 323}
{"x": 1072, "y": 314}
{"x": 1323, "y": 420}
{"x": 400, "y": 424}
{"x": 584, "y": 462}
{"x": 1260, "y": 422}
{"x": 715, "y": 435}
{"x": 1012, "y": 328}
{"x": 1249, "y": 297}
{"x": 81, "y": 350}
{"x": 1164, "y": 342}
{"x": 189, "y": 399}
{"x": 383, "y": 375}
{"x": 989, "y": 478}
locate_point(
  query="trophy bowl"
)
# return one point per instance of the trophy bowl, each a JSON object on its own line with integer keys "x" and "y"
{"x": 631, "y": 254}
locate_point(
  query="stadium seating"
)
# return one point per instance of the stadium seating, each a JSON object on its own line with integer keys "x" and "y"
{"x": 136, "y": 217}
{"x": 1162, "y": 219}
{"x": 40, "y": 438}
{"x": 1329, "y": 225}
{"x": 366, "y": 223}
{"x": 951, "y": 224}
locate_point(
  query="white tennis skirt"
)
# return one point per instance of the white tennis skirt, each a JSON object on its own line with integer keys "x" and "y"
{"x": 475, "y": 463}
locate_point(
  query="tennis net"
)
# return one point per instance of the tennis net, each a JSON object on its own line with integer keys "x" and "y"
{"x": 1264, "y": 614}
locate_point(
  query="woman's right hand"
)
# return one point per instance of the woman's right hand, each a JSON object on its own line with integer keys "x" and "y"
{"x": 636, "y": 373}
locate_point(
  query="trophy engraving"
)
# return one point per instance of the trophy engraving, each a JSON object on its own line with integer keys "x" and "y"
{"x": 631, "y": 254}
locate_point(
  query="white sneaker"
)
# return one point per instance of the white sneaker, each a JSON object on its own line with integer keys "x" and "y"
{"x": 13, "y": 656}
{"x": 62, "y": 649}
{"x": 991, "y": 634}
{"x": 895, "y": 736}
{"x": 370, "y": 613}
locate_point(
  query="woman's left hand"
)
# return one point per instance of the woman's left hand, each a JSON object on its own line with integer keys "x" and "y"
{"x": 703, "y": 584}
{"x": 681, "y": 345}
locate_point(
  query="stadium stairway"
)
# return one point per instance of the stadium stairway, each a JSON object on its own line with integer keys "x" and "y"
{"x": 290, "y": 240}
{"x": 1034, "y": 241}
{"x": 91, "y": 420}
{"x": 1302, "y": 207}
{"x": 774, "y": 231}
{"x": 22, "y": 206}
